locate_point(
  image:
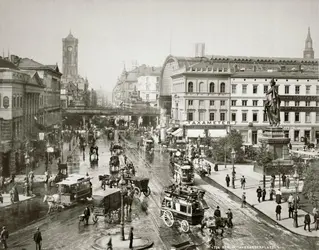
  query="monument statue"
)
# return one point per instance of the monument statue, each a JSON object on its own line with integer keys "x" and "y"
{"x": 272, "y": 105}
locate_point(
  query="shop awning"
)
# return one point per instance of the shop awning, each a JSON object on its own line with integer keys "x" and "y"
{"x": 194, "y": 133}
{"x": 178, "y": 132}
{"x": 217, "y": 133}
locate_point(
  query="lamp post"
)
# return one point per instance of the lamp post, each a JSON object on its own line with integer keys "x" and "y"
{"x": 296, "y": 178}
{"x": 122, "y": 183}
{"x": 233, "y": 155}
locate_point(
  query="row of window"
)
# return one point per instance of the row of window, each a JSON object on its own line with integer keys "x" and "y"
{"x": 245, "y": 103}
{"x": 202, "y": 89}
{"x": 244, "y": 116}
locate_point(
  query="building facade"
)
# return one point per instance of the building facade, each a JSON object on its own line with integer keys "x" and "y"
{"x": 148, "y": 88}
{"x": 191, "y": 93}
{"x": 19, "y": 104}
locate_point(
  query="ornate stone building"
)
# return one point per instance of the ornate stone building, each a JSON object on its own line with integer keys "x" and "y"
{"x": 19, "y": 104}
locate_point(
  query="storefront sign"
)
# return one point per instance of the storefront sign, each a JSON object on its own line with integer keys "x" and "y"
{"x": 209, "y": 123}
{"x": 299, "y": 109}
{"x": 6, "y": 102}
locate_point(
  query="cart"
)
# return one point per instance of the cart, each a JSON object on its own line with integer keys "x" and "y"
{"x": 62, "y": 174}
{"x": 106, "y": 203}
{"x": 140, "y": 185}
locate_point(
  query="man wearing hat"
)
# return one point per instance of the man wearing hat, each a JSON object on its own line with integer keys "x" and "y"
{"x": 4, "y": 236}
{"x": 37, "y": 237}
{"x": 217, "y": 212}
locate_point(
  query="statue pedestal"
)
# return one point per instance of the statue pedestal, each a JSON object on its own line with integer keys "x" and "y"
{"x": 276, "y": 142}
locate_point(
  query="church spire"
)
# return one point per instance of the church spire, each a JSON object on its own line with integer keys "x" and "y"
{"x": 308, "y": 52}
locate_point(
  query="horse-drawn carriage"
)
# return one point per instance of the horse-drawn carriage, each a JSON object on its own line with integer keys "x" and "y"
{"x": 140, "y": 185}
{"x": 106, "y": 203}
{"x": 183, "y": 172}
{"x": 183, "y": 205}
{"x": 110, "y": 133}
{"x": 70, "y": 191}
{"x": 62, "y": 173}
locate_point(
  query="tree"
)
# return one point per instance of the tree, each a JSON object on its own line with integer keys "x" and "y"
{"x": 311, "y": 183}
{"x": 264, "y": 159}
{"x": 225, "y": 145}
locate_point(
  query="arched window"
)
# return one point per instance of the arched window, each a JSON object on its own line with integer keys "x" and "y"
{"x": 190, "y": 87}
{"x": 222, "y": 87}
{"x": 14, "y": 101}
{"x": 201, "y": 87}
{"x": 211, "y": 87}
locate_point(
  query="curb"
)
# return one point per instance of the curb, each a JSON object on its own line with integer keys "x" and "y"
{"x": 257, "y": 210}
{"x": 17, "y": 203}
{"x": 146, "y": 246}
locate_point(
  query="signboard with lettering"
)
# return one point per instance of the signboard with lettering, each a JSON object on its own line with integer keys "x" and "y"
{"x": 209, "y": 123}
{"x": 299, "y": 109}
{"x": 299, "y": 98}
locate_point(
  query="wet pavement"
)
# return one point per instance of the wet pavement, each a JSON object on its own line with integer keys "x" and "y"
{"x": 63, "y": 231}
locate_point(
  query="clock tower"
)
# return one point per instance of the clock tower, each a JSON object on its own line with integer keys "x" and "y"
{"x": 70, "y": 56}
{"x": 308, "y": 52}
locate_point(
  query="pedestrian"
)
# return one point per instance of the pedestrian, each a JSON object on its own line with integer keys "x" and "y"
{"x": 271, "y": 194}
{"x": 243, "y": 182}
{"x": 290, "y": 199}
{"x": 87, "y": 214}
{"x": 315, "y": 214}
{"x": 37, "y": 237}
{"x": 278, "y": 196}
{"x": 227, "y": 180}
{"x": 264, "y": 194}
{"x": 283, "y": 178}
{"x": 243, "y": 200}
{"x": 307, "y": 222}
{"x": 217, "y": 212}
{"x": 131, "y": 238}
{"x": 4, "y": 237}
{"x": 259, "y": 192}
{"x": 272, "y": 181}
{"x": 287, "y": 182}
{"x": 278, "y": 212}
{"x": 290, "y": 210}
{"x": 230, "y": 218}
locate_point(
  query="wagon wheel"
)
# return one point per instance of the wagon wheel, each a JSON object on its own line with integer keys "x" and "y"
{"x": 95, "y": 218}
{"x": 168, "y": 218}
{"x": 185, "y": 226}
{"x": 148, "y": 192}
{"x": 137, "y": 192}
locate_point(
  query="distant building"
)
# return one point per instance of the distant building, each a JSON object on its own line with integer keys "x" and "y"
{"x": 142, "y": 80}
{"x": 308, "y": 52}
{"x": 20, "y": 96}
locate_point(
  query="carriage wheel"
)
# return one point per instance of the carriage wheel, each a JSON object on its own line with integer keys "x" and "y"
{"x": 137, "y": 192}
{"x": 185, "y": 226}
{"x": 168, "y": 218}
{"x": 148, "y": 192}
{"x": 95, "y": 218}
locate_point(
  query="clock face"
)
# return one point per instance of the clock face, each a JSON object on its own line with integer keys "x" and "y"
{"x": 70, "y": 48}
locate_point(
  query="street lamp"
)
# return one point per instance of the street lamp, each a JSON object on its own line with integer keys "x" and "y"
{"x": 122, "y": 184}
{"x": 296, "y": 179}
{"x": 233, "y": 155}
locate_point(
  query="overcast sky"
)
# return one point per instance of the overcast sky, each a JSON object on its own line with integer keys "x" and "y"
{"x": 113, "y": 31}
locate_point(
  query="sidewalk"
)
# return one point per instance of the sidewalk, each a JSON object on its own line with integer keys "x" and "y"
{"x": 7, "y": 201}
{"x": 253, "y": 181}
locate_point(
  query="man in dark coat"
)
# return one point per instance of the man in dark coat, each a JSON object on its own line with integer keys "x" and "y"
{"x": 259, "y": 193}
{"x": 217, "y": 212}
{"x": 307, "y": 222}
{"x": 230, "y": 218}
{"x": 227, "y": 180}
{"x": 131, "y": 238}
{"x": 3, "y": 237}
{"x": 291, "y": 210}
{"x": 264, "y": 194}
{"x": 87, "y": 214}
{"x": 278, "y": 212}
{"x": 37, "y": 237}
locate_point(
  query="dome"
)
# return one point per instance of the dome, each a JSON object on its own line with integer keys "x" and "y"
{"x": 5, "y": 64}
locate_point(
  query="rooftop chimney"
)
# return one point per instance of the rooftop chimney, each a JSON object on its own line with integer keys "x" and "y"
{"x": 199, "y": 49}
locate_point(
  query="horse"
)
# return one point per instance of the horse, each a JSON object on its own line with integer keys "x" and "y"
{"x": 53, "y": 202}
{"x": 216, "y": 223}
{"x": 128, "y": 200}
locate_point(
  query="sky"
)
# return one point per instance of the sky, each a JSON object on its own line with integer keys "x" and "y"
{"x": 112, "y": 33}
